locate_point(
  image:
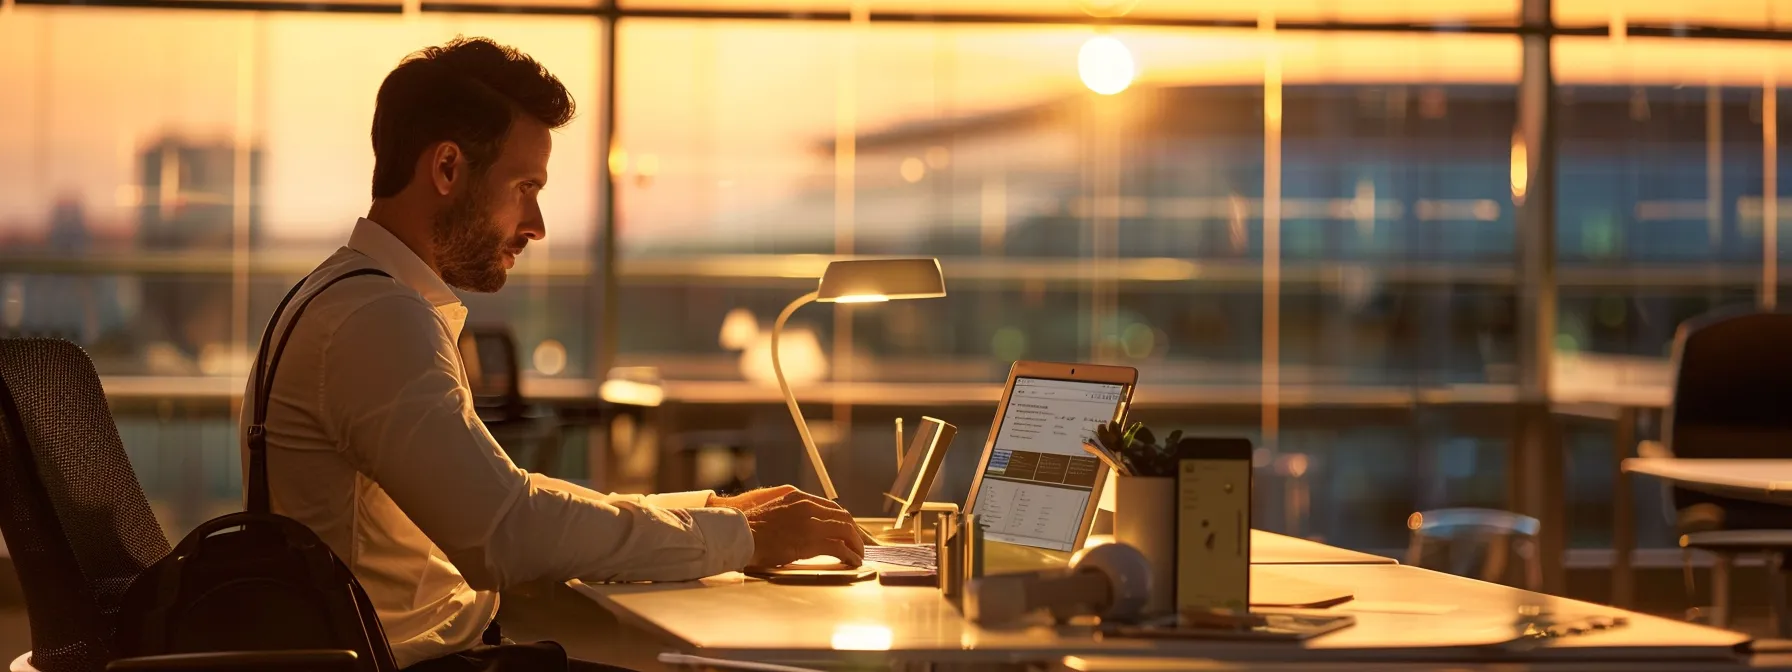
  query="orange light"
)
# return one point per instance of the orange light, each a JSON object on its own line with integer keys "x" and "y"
{"x": 862, "y": 298}
{"x": 1521, "y": 169}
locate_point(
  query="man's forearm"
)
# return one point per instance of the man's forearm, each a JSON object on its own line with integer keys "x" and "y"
{"x": 671, "y": 500}
{"x": 555, "y": 535}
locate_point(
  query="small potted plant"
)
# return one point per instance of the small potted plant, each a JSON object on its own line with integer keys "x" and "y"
{"x": 1144, "y": 499}
{"x": 1134, "y": 451}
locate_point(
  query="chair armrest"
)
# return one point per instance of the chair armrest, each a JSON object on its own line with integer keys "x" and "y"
{"x": 259, "y": 661}
{"x": 1738, "y": 540}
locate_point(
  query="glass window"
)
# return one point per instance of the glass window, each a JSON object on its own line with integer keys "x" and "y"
{"x": 1663, "y": 156}
{"x": 1246, "y": 11}
{"x": 177, "y": 171}
{"x": 1672, "y": 13}
{"x": 165, "y": 176}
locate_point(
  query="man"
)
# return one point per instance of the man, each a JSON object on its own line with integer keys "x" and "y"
{"x": 373, "y": 440}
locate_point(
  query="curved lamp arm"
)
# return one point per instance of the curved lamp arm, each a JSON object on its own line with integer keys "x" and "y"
{"x": 802, "y": 427}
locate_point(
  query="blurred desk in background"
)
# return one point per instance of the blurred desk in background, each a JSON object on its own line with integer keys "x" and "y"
{"x": 1767, "y": 481}
{"x": 1778, "y": 663}
{"x": 1617, "y": 388}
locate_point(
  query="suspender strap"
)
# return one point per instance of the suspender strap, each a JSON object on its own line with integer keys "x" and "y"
{"x": 264, "y": 385}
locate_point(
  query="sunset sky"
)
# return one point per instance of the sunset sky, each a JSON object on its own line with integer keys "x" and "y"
{"x": 726, "y": 117}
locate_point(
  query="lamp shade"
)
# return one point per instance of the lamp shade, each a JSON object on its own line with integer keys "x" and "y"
{"x": 867, "y": 280}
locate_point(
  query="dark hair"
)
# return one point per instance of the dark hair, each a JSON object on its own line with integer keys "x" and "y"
{"x": 466, "y": 92}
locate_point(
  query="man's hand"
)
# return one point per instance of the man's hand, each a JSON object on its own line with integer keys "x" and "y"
{"x": 799, "y": 525}
{"x": 789, "y": 525}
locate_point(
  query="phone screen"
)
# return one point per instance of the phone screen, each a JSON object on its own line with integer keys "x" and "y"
{"x": 1213, "y": 524}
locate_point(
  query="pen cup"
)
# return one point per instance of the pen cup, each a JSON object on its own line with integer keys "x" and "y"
{"x": 1145, "y": 519}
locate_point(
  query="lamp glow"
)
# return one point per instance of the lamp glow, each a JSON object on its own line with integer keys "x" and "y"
{"x": 854, "y": 281}
{"x": 1105, "y": 65}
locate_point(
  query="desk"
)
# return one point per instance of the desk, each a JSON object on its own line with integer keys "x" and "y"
{"x": 1759, "y": 480}
{"x": 1269, "y": 548}
{"x": 1135, "y": 664}
{"x": 1618, "y": 388}
{"x": 1404, "y": 614}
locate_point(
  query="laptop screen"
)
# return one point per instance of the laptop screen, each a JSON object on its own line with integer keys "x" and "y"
{"x": 1038, "y": 480}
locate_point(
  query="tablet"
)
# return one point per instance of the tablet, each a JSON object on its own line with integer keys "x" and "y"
{"x": 1035, "y": 486}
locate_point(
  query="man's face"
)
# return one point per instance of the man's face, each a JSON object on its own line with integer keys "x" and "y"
{"x": 493, "y": 214}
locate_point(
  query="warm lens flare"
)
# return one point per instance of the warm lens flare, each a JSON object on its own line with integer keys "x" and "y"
{"x": 1105, "y": 65}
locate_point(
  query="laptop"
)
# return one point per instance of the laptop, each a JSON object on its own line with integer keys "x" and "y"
{"x": 1035, "y": 486}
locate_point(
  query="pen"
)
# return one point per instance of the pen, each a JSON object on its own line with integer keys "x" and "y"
{"x": 1105, "y": 458}
{"x": 686, "y": 659}
{"x": 899, "y": 444}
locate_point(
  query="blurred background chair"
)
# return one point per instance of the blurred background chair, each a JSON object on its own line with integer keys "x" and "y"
{"x": 494, "y": 372}
{"x": 76, "y": 521}
{"x": 1732, "y": 399}
{"x": 1477, "y": 543}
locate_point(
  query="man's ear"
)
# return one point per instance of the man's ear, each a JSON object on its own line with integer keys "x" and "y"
{"x": 447, "y": 164}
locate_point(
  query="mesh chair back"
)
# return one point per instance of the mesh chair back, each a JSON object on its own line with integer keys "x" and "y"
{"x": 75, "y": 519}
{"x": 1732, "y": 390}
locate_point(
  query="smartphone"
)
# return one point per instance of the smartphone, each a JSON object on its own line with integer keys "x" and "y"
{"x": 909, "y": 577}
{"x": 813, "y": 577}
{"x": 1213, "y": 524}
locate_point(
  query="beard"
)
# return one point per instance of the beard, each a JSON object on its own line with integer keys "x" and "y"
{"x": 469, "y": 245}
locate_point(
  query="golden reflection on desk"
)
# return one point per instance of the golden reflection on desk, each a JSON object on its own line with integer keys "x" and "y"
{"x": 851, "y": 637}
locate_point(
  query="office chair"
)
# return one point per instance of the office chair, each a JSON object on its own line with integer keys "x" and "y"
{"x": 493, "y": 365}
{"x": 1732, "y": 399}
{"x": 76, "y": 521}
{"x": 1476, "y": 543}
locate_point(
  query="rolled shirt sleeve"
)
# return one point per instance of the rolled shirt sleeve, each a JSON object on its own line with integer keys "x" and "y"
{"x": 408, "y": 423}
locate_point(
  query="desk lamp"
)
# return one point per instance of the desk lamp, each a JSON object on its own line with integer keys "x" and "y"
{"x": 855, "y": 281}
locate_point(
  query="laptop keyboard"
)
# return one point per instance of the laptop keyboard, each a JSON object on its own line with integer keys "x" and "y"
{"x": 907, "y": 555}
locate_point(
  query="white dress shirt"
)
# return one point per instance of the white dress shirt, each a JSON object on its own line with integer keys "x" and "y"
{"x": 374, "y": 444}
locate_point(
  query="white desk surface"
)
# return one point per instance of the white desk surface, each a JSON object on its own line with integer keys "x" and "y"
{"x": 1269, "y": 548}
{"x": 1402, "y": 612}
{"x": 1147, "y": 664}
{"x": 1764, "y": 480}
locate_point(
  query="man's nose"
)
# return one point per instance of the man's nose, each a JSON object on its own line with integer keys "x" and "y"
{"x": 533, "y": 227}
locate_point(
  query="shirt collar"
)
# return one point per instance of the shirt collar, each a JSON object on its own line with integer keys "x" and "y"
{"x": 393, "y": 256}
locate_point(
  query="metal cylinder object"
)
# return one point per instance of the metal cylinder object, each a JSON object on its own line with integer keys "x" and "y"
{"x": 947, "y": 556}
{"x": 970, "y": 534}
